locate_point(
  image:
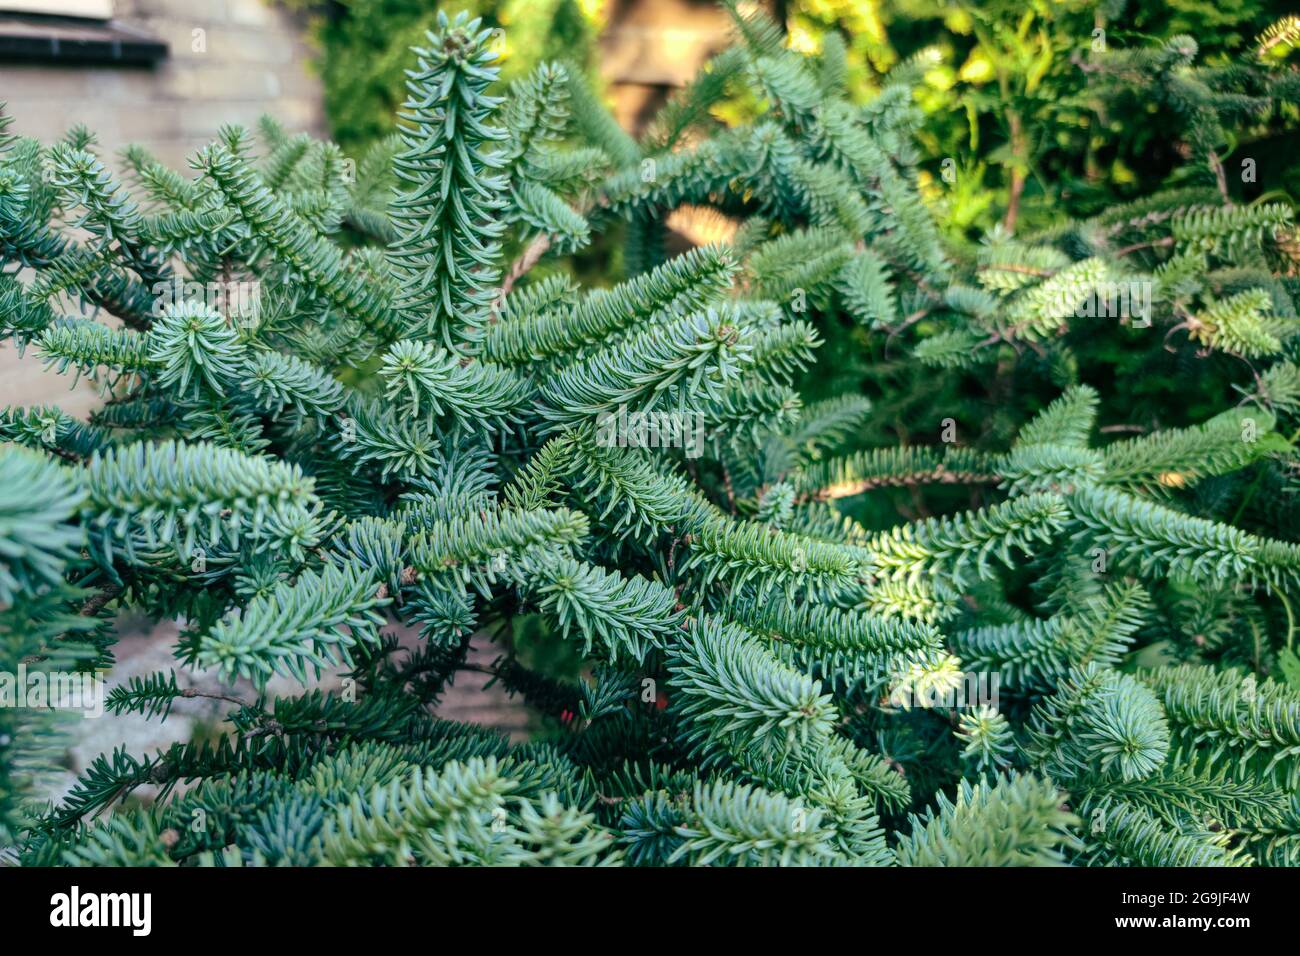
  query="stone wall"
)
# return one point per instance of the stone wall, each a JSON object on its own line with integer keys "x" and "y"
{"x": 651, "y": 47}
{"x": 228, "y": 61}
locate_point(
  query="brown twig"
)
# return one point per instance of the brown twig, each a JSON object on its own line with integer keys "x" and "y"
{"x": 1019, "y": 269}
{"x": 728, "y": 488}
{"x": 1220, "y": 177}
{"x": 531, "y": 255}
{"x": 190, "y": 692}
{"x": 95, "y": 603}
{"x": 1153, "y": 244}
{"x": 1018, "y": 149}
{"x": 911, "y": 320}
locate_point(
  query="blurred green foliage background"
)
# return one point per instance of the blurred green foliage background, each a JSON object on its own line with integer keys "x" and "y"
{"x": 1006, "y": 98}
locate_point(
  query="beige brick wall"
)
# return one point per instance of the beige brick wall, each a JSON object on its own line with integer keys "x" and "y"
{"x": 651, "y": 47}
{"x": 228, "y": 61}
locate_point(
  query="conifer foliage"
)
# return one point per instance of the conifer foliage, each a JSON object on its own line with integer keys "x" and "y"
{"x": 423, "y": 420}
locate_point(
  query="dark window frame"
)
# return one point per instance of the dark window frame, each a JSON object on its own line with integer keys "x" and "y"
{"x": 75, "y": 41}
